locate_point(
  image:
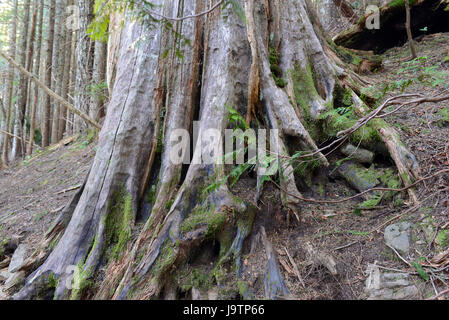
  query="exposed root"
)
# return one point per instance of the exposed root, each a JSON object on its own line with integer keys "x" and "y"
{"x": 405, "y": 161}
{"x": 275, "y": 287}
{"x": 254, "y": 78}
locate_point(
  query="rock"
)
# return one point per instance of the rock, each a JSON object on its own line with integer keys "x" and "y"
{"x": 5, "y": 262}
{"x": 4, "y": 275}
{"x": 213, "y": 294}
{"x": 389, "y": 285}
{"x": 14, "y": 282}
{"x": 18, "y": 258}
{"x": 196, "y": 294}
{"x": 322, "y": 258}
{"x": 13, "y": 243}
{"x": 397, "y": 236}
{"x": 427, "y": 225}
{"x": 359, "y": 177}
{"x": 358, "y": 154}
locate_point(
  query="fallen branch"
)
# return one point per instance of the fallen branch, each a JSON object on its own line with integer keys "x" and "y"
{"x": 70, "y": 189}
{"x": 400, "y": 257}
{"x": 51, "y": 93}
{"x": 439, "y": 295}
{"x": 345, "y": 246}
{"x": 57, "y": 209}
{"x": 362, "y": 193}
{"x": 391, "y": 101}
{"x": 342, "y": 136}
{"x": 186, "y": 17}
{"x": 295, "y": 268}
{"x": 14, "y": 136}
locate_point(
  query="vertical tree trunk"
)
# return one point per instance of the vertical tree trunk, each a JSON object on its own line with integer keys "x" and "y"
{"x": 46, "y": 112}
{"x": 23, "y": 84}
{"x": 65, "y": 79}
{"x": 409, "y": 31}
{"x": 72, "y": 81}
{"x": 83, "y": 62}
{"x": 10, "y": 83}
{"x": 58, "y": 57}
{"x": 35, "y": 99}
{"x": 98, "y": 80}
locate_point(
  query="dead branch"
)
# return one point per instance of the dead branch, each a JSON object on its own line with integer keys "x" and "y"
{"x": 364, "y": 192}
{"x": 14, "y": 136}
{"x": 51, "y": 93}
{"x": 187, "y": 17}
{"x": 439, "y": 295}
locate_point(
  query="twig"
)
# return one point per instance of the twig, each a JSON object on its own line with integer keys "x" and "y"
{"x": 345, "y": 246}
{"x": 48, "y": 91}
{"x": 70, "y": 189}
{"x": 395, "y": 270}
{"x": 57, "y": 209}
{"x": 295, "y": 268}
{"x": 434, "y": 237}
{"x": 14, "y": 136}
{"x": 362, "y": 193}
{"x": 397, "y": 253}
{"x": 187, "y": 17}
{"x": 439, "y": 295}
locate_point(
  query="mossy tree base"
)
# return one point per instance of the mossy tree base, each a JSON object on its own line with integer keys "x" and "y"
{"x": 160, "y": 95}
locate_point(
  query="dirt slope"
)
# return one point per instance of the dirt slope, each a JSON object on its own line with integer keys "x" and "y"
{"x": 33, "y": 192}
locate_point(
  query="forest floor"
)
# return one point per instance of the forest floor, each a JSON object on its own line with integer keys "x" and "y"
{"x": 34, "y": 191}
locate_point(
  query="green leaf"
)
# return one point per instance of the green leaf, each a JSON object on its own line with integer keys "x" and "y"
{"x": 420, "y": 271}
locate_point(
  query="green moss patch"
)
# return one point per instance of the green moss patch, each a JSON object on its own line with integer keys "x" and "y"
{"x": 214, "y": 219}
{"x": 118, "y": 221}
{"x": 442, "y": 239}
{"x": 276, "y": 71}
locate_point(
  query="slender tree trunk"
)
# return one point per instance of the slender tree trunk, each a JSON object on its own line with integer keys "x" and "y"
{"x": 46, "y": 112}
{"x": 72, "y": 76}
{"x": 84, "y": 60}
{"x": 98, "y": 81}
{"x": 9, "y": 86}
{"x": 409, "y": 31}
{"x": 58, "y": 56}
{"x": 37, "y": 70}
{"x": 23, "y": 84}
{"x": 65, "y": 80}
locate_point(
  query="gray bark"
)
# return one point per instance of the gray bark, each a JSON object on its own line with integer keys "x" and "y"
{"x": 84, "y": 60}
{"x": 16, "y": 150}
{"x": 9, "y": 86}
{"x": 154, "y": 93}
{"x": 46, "y": 112}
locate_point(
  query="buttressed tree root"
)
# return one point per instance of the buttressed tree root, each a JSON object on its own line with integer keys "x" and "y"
{"x": 296, "y": 79}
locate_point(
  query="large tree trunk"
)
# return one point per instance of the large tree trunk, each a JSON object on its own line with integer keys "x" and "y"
{"x": 287, "y": 80}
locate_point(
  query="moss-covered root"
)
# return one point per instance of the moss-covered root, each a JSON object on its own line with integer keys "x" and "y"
{"x": 184, "y": 229}
{"x": 404, "y": 160}
{"x": 275, "y": 287}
